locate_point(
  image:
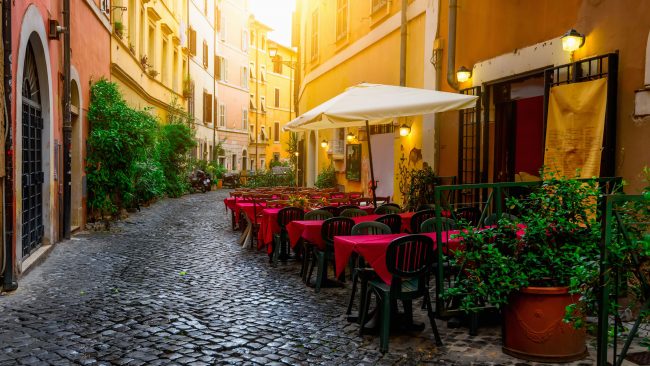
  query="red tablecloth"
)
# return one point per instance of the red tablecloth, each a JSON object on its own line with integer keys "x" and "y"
{"x": 373, "y": 250}
{"x": 268, "y": 227}
{"x": 248, "y": 209}
{"x": 310, "y": 230}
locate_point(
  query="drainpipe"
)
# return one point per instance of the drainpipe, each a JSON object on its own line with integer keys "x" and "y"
{"x": 67, "y": 123}
{"x": 402, "y": 48}
{"x": 451, "y": 52}
{"x": 9, "y": 283}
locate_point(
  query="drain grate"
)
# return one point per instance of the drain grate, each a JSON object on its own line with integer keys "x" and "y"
{"x": 639, "y": 358}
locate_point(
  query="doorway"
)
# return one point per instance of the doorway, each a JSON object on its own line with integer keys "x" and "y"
{"x": 76, "y": 149}
{"x": 519, "y": 128}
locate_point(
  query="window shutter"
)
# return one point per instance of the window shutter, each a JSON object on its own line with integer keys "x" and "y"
{"x": 205, "y": 54}
{"x": 277, "y": 98}
{"x": 217, "y": 67}
{"x": 208, "y": 103}
{"x": 276, "y": 132}
{"x": 192, "y": 42}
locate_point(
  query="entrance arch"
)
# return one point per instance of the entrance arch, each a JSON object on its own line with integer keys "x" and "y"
{"x": 34, "y": 139}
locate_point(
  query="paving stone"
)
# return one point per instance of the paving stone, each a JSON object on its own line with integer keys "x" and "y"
{"x": 170, "y": 285}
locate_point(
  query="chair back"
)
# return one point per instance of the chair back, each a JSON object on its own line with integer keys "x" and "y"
{"x": 418, "y": 218}
{"x": 409, "y": 256}
{"x": 288, "y": 214}
{"x": 386, "y": 209}
{"x": 382, "y": 200}
{"x": 336, "y": 226}
{"x": 318, "y": 215}
{"x": 393, "y": 221}
{"x": 470, "y": 214}
{"x": 353, "y": 212}
{"x": 429, "y": 225}
{"x": 370, "y": 228}
{"x": 355, "y": 195}
{"x": 345, "y": 207}
{"x": 426, "y": 206}
{"x": 493, "y": 219}
{"x": 331, "y": 209}
{"x": 336, "y": 195}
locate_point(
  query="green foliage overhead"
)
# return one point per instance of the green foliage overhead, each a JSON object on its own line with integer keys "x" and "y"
{"x": 131, "y": 158}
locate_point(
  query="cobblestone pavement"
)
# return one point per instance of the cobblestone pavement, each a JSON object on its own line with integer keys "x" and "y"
{"x": 170, "y": 285}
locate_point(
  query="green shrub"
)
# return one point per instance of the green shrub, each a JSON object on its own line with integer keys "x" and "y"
{"x": 176, "y": 140}
{"x": 326, "y": 178}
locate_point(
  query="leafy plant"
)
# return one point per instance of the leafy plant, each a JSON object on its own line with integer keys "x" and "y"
{"x": 416, "y": 186}
{"x": 118, "y": 27}
{"x": 326, "y": 178}
{"x": 558, "y": 247}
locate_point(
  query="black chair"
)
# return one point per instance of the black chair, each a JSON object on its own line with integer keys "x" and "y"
{"x": 360, "y": 270}
{"x": 470, "y": 214}
{"x": 493, "y": 219}
{"x": 331, "y": 209}
{"x": 331, "y": 228}
{"x": 281, "y": 240}
{"x": 393, "y": 221}
{"x": 418, "y": 218}
{"x": 429, "y": 225}
{"x": 408, "y": 259}
{"x": 342, "y": 208}
{"x": 353, "y": 212}
{"x": 387, "y": 209}
{"x": 307, "y": 247}
{"x": 318, "y": 215}
{"x": 426, "y": 206}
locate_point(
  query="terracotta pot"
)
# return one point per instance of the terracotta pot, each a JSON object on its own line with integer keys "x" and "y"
{"x": 533, "y": 327}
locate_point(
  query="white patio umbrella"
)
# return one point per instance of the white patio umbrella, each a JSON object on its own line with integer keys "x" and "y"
{"x": 372, "y": 104}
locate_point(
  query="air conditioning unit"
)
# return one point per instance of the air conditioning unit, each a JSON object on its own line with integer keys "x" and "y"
{"x": 53, "y": 29}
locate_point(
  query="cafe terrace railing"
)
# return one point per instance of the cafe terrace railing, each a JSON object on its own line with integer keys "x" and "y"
{"x": 612, "y": 282}
{"x": 496, "y": 194}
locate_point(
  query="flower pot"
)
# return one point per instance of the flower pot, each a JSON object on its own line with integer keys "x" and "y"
{"x": 534, "y": 329}
{"x": 219, "y": 183}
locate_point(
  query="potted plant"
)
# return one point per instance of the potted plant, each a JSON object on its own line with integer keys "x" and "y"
{"x": 537, "y": 269}
{"x": 118, "y": 28}
{"x": 153, "y": 73}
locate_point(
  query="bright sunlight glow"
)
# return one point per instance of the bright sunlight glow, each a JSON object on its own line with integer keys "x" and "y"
{"x": 277, "y": 15}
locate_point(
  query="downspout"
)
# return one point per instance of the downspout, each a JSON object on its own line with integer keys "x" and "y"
{"x": 451, "y": 52}
{"x": 215, "y": 109}
{"x": 67, "y": 123}
{"x": 402, "y": 47}
{"x": 437, "y": 84}
{"x": 9, "y": 283}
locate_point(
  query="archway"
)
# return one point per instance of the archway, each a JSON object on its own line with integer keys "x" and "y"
{"x": 34, "y": 174}
{"x": 76, "y": 149}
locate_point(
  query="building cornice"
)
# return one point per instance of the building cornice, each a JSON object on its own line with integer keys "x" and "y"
{"x": 121, "y": 74}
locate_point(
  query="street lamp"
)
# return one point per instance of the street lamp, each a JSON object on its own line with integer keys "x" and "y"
{"x": 572, "y": 40}
{"x": 273, "y": 51}
{"x": 323, "y": 144}
{"x": 463, "y": 74}
{"x": 404, "y": 130}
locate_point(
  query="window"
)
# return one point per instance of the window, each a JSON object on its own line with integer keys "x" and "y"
{"x": 224, "y": 70}
{"x": 222, "y": 33}
{"x": 276, "y": 132}
{"x": 314, "y": 35}
{"x": 252, "y": 39}
{"x": 131, "y": 27}
{"x": 244, "y": 77}
{"x": 244, "y": 40}
{"x": 234, "y": 161}
{"x": 277, "y": 64}
{"x": 252, "y": 102}
{"x": 378, "y": 5}
{"x": 252, "y": 70}
{"x": 222, "y": 115}
{"x": 217, "y": 67}
{"x": 262, "y": 134}
{"x": 276, "y": 156}
{"x": 277, "y": 98}
{"x": 262, "y": 163}
{"x": 215, "y": 114}
{"x": 105, "y": 7}
{"x": 152, "y": 46}
{"x": 341, "y": 19}
{"x": 207, "y": 107}
{"x": 205, "y": 7}
{"x": 244, "y": 119}
{"x": 217, "y": 16}
{"x": 263, "y": 73}
{"x": 192, "y": 39}
{"x": 163, "y": 68}
{"x": 263, "y": 41}
{"x": 205, "y": 54}
{"x": 222, "y": 161}
{"x": 263, "y": 104}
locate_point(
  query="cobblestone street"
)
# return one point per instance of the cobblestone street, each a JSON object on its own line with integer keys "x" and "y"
{"x": 170, "y": 285}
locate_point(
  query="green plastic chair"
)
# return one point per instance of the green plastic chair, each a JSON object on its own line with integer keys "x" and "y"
{"x": 281, "y": 241}
{"x": 353, "y": 212}
{"x": 387, "y": 209}
{"x": 426, "y": 206}
{"x": 493, "y": 219}
{"x": 318, "y": 215}
{"x": 331, "y": 228}
{"x": 408, "y": 260}
{"x": 429, "y": 225}
{"x": 359, "y": 268}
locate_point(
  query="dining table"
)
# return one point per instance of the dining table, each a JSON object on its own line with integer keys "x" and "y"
{"x": 310, "y": 230}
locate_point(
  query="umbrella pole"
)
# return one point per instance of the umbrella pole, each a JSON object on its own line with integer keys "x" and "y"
{"x": 372, "y": 169}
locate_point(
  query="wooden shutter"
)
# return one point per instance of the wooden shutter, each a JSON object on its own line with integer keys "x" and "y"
{"x": 207, "y": 107}
{"x": 192, "y": 37}
{"x": 217, "y": 67}
{"x": 277, "y": 98}
{"x": 276, "y": 132}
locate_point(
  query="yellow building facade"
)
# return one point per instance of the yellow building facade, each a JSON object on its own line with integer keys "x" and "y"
{"x": 149, "y": 53}
{"x": 344, "y": 43}
{"x": 271, "y": 85}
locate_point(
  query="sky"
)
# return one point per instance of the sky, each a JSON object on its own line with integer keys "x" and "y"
{"x": 277, "y": 15}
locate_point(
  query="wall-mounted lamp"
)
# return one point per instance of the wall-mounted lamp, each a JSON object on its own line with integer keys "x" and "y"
{"x": 323, "y": 144}
{"x": 350, "y": 137}
{"x": 572, "y": 40}
{"x": 404, "y": 130}
{"x": 463, "y": 74}
{"x": 296, "y": 154}
{"x": 273, "y": 51}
